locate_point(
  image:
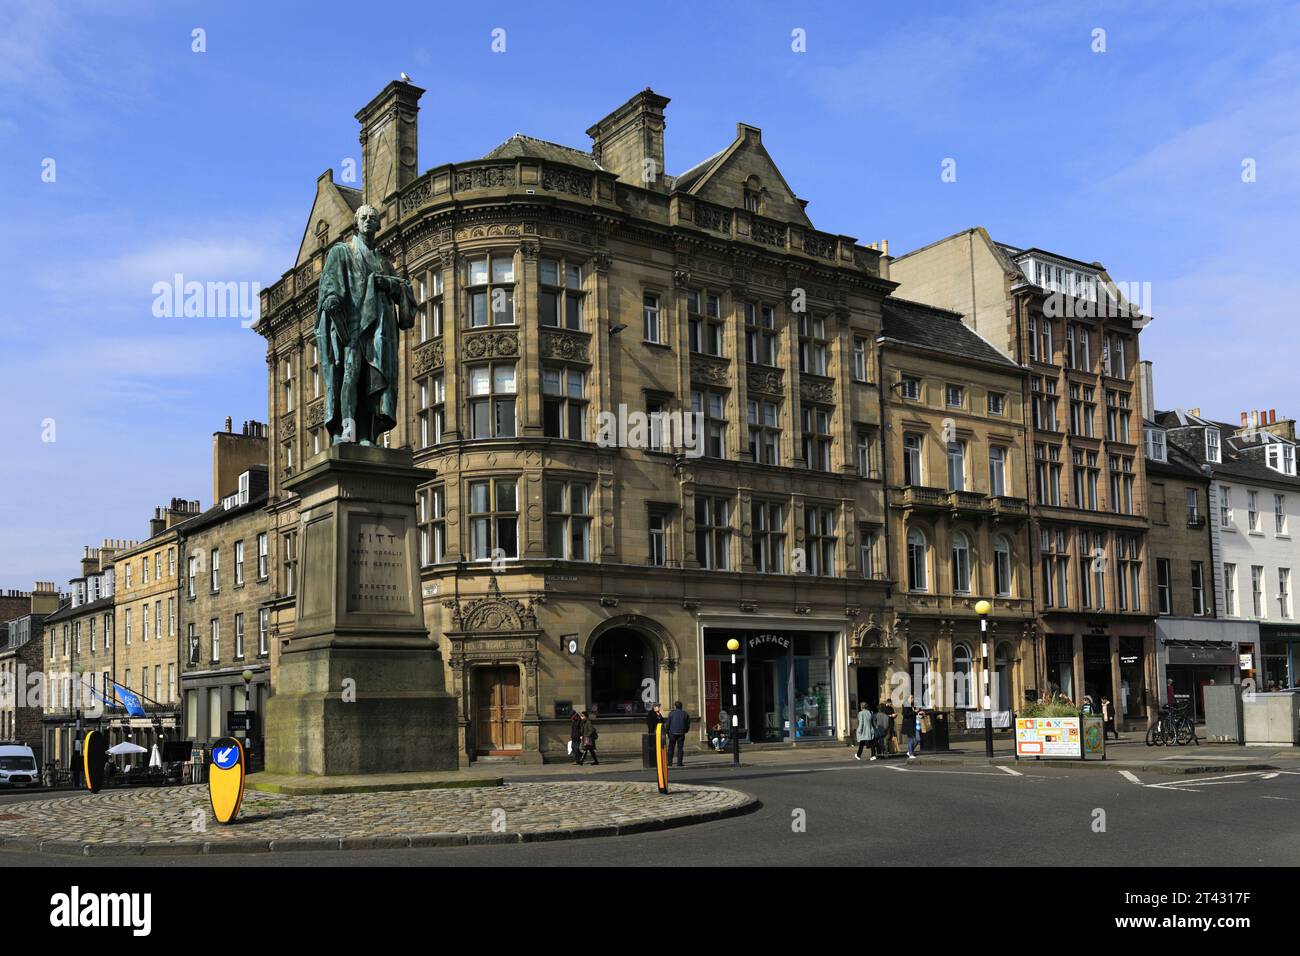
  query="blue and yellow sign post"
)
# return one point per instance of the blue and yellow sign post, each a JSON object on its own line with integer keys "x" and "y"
{"x": 226, "y": 779}
{"x": 94, "y": 756}
{"x": 661, "y": 758}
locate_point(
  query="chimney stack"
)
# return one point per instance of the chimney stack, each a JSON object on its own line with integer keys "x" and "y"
{"x": 629, "y": 142}
{"x": 389, "y": 151}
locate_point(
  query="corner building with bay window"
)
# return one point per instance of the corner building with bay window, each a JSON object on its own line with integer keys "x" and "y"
{"x": 579, "y": 549}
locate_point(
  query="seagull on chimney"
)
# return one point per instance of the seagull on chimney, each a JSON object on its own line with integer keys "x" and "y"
{"x": 405, "y": 78}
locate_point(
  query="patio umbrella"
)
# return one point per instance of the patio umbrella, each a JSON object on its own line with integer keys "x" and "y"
{"x": 155, "y": 759}
{"x": 126, "y": 747}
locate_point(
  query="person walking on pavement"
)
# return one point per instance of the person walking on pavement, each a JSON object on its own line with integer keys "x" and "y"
{"x": 589, "y": 735}
{"x": 880, "y": 745}
{"x": 866, "y": 733}
{"x": 891, "y": 730}
{"x": 677, "y": 725}
{"x": 575, "y": 736}
{"x": 1108, "y": 719}
{"x": 912, "y": 717}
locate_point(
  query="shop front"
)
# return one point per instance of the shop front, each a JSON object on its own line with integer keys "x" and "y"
{"x": 1279, "y": 657}
{"x": 1198, "y": 652}
{"x": 785, "y": 683}
{"x": 1101, "y": 657}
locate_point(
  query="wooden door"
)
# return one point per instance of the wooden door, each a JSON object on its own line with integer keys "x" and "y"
{"x": 499, "y": 710}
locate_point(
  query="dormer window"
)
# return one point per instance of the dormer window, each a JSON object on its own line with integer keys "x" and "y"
{"x": 1212, "y": 445}
{"x": 1156, "y": 450}
{"x": 753, "y": 195}
{"x": 1281, "y": 458}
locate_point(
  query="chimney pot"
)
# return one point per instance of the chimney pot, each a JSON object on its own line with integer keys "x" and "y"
{"x": 228, "y": 423}
{"x": 1272, "y": 415}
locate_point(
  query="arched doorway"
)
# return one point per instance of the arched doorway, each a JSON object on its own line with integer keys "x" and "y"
{"x": 624, "y": 673}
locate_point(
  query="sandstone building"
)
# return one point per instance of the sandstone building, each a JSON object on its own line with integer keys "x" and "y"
{"x": 1077, "y": 335}
{"x": 575, "y": 563}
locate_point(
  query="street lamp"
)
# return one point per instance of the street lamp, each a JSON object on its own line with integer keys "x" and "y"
{"x": 733, "y": 645}
{"x": 983, "y": 608}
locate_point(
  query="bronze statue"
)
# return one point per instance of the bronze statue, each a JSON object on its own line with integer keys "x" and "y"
{"x": 360, "y": 305}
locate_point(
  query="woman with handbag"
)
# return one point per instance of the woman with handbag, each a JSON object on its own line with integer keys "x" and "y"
{"x": 589, "y": 735}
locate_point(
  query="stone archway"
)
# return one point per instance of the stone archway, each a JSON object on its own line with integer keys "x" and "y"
{"x": 660, "y": 643}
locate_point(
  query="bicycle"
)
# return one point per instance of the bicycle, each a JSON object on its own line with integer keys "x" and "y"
{"x": 1183, "y": 727}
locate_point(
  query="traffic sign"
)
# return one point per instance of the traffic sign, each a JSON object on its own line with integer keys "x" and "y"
{"x": 226, "y": 779}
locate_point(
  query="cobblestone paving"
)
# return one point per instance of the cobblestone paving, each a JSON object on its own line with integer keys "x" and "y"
{"x": 179, "y": 819}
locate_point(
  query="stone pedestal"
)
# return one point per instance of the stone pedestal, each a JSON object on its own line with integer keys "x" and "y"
{"x": 360, "y": 687}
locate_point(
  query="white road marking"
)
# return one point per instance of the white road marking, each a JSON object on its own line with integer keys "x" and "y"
{"x": 1198, "y": 757}
{"x": 1014, "y": 773}
{"x": 1270, "y": 776}
{"x": 1211, "y": 781}
{"x": 1130, "y": 776}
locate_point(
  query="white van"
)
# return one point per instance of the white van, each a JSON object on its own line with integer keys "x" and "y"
{"x": 17, "y": 766}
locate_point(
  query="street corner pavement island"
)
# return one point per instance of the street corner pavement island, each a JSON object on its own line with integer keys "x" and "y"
{"x": 361, "y": 684}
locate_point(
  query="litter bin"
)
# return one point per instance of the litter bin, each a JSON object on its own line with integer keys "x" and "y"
{"x": 936, "y": 738}
{"x": 648, "y": 751}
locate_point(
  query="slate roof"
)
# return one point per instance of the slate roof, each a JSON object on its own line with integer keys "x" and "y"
{"x": 528, "y": 147}
{"x": 351, "y": 196}
{"x": 90, "y": 607}
{"x": 1236, "y": 463}
{"x": 689, "y": 178}
{"x": 926, "y": 327}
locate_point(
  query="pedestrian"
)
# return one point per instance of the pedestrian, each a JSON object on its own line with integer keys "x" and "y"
{"x": 677, "y": 725}
{"x": 880, "y": 745}
{"x": 891, "y": 731}
{"x": 721, "y": 738}
{"x": 1169, "y": 693}
{"x": 589, "y": 735}
{"x": 911, "y": 726}
{"x": 1108, "y": 719}
{"x": 653, "y": 719}
{"x": 575, "y": 736}
{"x": 866, "y": 733}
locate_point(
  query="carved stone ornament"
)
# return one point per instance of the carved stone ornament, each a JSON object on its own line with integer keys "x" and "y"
{"x": 708, "y": 372}
{"x": 315, "y": 413}
{"x": 815, "y": 391}
{"x": 428, "y": 357}
{"x": 288, "y": 426}
{"x": 562, "y": 346}
{"x": 484, "y": 177}
{"x": 490, "y": 344}
{"x": 767, "y": 382}
{"x": 492, "y": 612}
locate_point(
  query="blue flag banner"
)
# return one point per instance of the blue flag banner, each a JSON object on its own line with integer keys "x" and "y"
{"x": 130, "y": 701}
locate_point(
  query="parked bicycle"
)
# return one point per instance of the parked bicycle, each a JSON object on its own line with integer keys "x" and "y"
{"x": 1174, "y": 725}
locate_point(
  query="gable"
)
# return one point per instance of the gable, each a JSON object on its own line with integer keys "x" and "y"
{"x": 335, "y": 206}
{"x": 722, "y": 179}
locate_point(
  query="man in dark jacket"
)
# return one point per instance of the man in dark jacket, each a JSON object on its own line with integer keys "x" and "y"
{"x": 677, "y": 725}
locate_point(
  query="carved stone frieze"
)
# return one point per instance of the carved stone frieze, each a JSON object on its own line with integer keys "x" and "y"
{"x": 484, "y": 177}
{"x": 767, "y": 381}
{"x": 815, "y": 390}
{"x": 492, "y": 612}
{"x": 565, "y": 345}
{"x": 480, "y": 345}
{"x": 428, "y": 357}
{"x": 710, "y": 371}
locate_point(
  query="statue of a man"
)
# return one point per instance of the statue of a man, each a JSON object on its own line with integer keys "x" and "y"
{"x": 360, "y": 305}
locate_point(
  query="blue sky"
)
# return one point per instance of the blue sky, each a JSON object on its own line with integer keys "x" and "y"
{"x": 169, "y": 161}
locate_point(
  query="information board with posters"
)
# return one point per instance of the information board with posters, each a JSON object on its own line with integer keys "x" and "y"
{"x": 1048, "y": 737}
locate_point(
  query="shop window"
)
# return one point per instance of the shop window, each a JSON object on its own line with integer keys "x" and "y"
{"x": 963, "y": 678}
{"x": 621, "y": 661}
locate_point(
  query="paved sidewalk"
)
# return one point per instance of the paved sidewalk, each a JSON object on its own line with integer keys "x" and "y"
{"x": 178, "y": 820}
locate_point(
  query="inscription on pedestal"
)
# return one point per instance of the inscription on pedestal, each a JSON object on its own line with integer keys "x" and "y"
{"x": 379, "y": 580}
